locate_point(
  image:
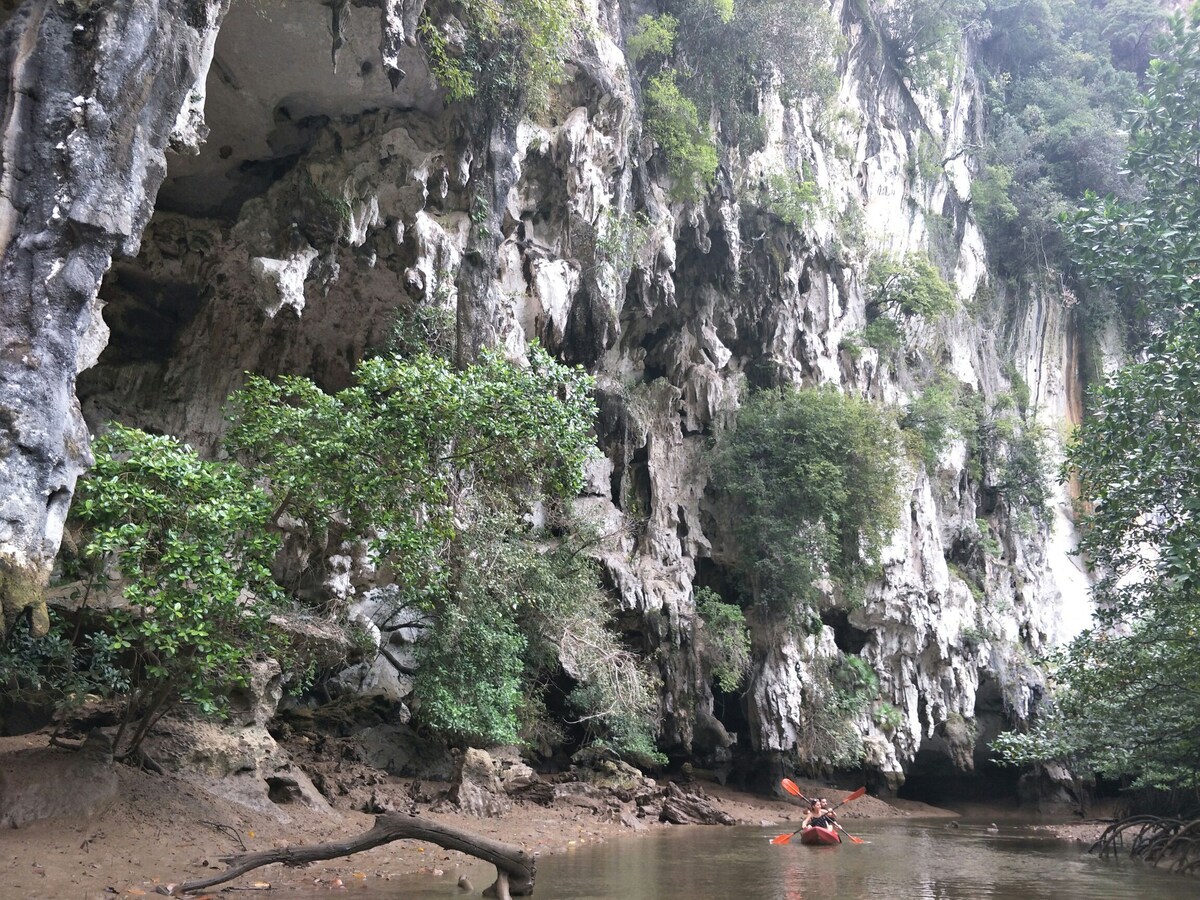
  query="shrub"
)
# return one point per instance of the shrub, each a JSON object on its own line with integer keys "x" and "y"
{"x": 190, "y": 542}
{"x": 672, "y": 120}
{"x": 810, "y": 480}
{"x": 793, "y": 198}
{"x": 515, "y": 50}
{"x": 911, "y": 285}
{"x": 934, "y": 418}
{"x": 655, "y": 37}
{"x": 726, "y": 646}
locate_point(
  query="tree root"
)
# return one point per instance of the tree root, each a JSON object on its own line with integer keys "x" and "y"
{"x": 1154, "y": 840}
{"x": 515, "y": 868}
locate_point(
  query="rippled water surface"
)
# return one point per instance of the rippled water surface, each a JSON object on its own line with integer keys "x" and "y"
{"x": 899, "y": 860}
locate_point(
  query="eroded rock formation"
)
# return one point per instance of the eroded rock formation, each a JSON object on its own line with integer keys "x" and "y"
{"x": 327, "y": 199}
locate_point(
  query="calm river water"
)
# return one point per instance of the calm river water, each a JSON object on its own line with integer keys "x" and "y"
{"x": 930, "y": 861}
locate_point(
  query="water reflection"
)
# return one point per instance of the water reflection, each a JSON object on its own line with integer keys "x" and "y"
{"x": 901, "y": 860}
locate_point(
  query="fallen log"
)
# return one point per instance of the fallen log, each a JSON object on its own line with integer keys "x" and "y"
{"x": 515, "y": 868}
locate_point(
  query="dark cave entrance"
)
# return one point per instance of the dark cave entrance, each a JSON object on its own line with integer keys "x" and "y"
{"x": 934, "y": 778}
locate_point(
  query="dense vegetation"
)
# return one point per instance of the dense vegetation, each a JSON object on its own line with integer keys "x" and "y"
{"x": 1062, "y": 76}
{"x": 434, "y": 469}
{"x": 1126, "y": 704}
{"x": 810, "y": 480}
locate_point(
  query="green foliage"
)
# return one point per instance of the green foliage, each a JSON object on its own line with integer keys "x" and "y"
{"x": 424, "y": 329}
{"x": 837, "y": 692}
{"x": 933, "y": 419}
{"x": 190, "y": 543}
{"x": 926, "y": 160}
{"x": 887, "y": 717}
{"x": 855, "y": 680}
{"x": 1144, "y": 252}
{"x": 55, "y": 670}
{"x": 991, "y": 198}
{"x": 726, "y": 639}
{"x": 884, "y": 335}
{"x": 672, "y": 120}
{"x": 1126, "y": 704}
{"x": 515, "y": 51}
{"x": 809, "y": 477}
{"x": 911, "y": 285}
{"x": 725, "y": 54}
{"x": 655, "y": 37}
{"x": 1063, "y": 75}
{"x": 1010, "y": 455}
{"x": 451, "y": 76}
{"x": 618, "y": 239}
{"x": 920, "y": 37}
{"x": 792, "y": 198}
{"x": 434, "y": 465}
{"x": 468, "y": 682}
{"x": 382, "y": 458}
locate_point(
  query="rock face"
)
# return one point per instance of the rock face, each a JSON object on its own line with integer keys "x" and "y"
{"x": 328, "y": 200}
{"x": 93, "y": 95}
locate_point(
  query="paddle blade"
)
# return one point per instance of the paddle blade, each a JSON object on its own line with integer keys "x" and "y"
{"x": 790, "y": 787}
{"x": 855, "y": 840}
{"x": 854, "y": 796}
{"x": 781, "y": 839}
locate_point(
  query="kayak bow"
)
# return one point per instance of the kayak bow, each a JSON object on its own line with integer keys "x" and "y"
{"x": 818, "y": 836}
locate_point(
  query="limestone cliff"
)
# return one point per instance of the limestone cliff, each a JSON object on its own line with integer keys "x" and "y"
{"x": 333, "y": 192}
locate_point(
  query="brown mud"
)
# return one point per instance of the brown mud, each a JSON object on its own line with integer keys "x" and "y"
{"x": 159, "y": 830}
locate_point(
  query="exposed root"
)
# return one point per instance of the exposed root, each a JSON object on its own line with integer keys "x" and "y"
{"x": 1154, "y": 840}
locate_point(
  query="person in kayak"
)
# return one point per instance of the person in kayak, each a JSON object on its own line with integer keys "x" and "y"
{"x": 819, "y": 815}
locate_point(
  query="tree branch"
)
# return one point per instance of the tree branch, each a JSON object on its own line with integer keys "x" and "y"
{"x": 515, "y": 867}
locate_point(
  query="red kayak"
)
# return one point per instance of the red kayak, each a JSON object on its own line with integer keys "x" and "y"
{"x": 818, "y": 836}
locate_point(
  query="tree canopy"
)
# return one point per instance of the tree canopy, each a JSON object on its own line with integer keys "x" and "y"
{"x": 1127, "y": 704}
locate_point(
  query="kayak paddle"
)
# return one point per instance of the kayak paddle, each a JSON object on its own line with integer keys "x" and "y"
{"x": 791, "y": 788}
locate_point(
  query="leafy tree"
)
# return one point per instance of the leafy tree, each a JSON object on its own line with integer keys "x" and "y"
{"x": 514, "y": 51}
{"x": 911, "y": 285}
{"x": 793, "y": 198}
{"x": 720, "y": 56}
{"x": 1126, "y": 704}
{"x": 1144, "y": 251}
{"x": 438, "y": 467}
{"x": 527, "y": 611}
{"x": 674, "y": 122}
{"x": 188, "y": 545}
{"x": 809, "y": 479}
{"x": 389, "y": 457}
{"x": 1062, "y": 76}
{"x": 934, "y": 418}
{"x": 920, "y": 37}
{"x": 654, "y": 37}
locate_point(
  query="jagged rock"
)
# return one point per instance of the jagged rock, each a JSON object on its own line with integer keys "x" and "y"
{"x": 406, "y": 202}
{"x": 87, "y": 124}
{"x": 477, "y": 789}
{"x": 604, "y": 772}
{"x": 244, "y": 765}
{"x": 680, "y": 808}
{"x": 398, "y": 750}
{"x": 257, "y": 701}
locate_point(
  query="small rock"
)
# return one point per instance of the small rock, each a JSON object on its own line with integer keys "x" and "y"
{"x": 464, "y": 884}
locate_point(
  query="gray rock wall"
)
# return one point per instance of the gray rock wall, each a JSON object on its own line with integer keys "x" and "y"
{"x": 93, "y": 95}
{"x": 327, "y": 200}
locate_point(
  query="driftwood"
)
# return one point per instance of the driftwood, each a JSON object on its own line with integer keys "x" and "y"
{"x": 681, "y": 808}
{"x": 515, "y": 867}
